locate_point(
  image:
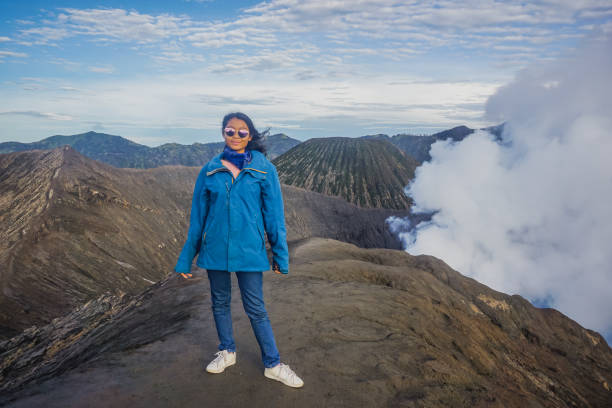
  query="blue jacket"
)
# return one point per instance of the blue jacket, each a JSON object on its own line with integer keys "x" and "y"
{"x": 229, "y": 216}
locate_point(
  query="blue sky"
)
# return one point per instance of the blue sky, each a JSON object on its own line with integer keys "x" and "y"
{"x": 159, "y": 71}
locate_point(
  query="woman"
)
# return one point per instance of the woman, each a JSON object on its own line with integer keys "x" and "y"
{"x": 236, "y": 198}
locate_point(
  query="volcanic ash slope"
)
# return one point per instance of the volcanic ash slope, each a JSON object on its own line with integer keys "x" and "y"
{"x": 72, "y": 228}
{"x": 368, "y": 173}
{"x": 362, "y": 327}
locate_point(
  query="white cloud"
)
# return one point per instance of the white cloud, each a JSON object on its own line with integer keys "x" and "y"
{"x": 292, "y": 49}
{"x": 66, "y": 64}
{"x": 45, "y": 35}
{"x": 108, "y": 25}
{"x": 70, "y": 89}
{"x": 230, "y": 34}
{"x": 357, "y": 51}
{"x": 106, "y": 69}
{"x": 4, "y": 53}
{"x": 122, "y": 25}
{"x": 599, "y": 13}
{"x": 173, "y": 53}
{"x": 197, "y": 101}
{"x": 34, "y": 79}
{"x": 265, "y": 60}
{"x": 513, "y": 48}
{"x": 532, "y": 215}
{"x": 36, "y": 114}
{"x": 418, "y": 26}
{"x": 306, "y": 74}
{"x": 388, "y": 16}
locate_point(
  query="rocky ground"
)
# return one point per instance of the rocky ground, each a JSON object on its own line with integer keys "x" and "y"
{"x": 72, "y": 228}
{"x": 362, "y": 327}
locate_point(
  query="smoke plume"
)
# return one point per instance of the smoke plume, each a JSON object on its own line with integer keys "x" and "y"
{"x": 532, "y": 214}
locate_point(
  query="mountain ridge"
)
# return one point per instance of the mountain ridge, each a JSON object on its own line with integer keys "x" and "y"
{"x": 418, "y": 146}
{"x": 124, "y": 153}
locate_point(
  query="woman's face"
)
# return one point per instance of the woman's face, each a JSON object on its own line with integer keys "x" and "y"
{"x": 236, "y": 142}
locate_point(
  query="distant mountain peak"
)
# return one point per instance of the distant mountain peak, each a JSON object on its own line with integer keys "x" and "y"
{"x": 366, "y": 172}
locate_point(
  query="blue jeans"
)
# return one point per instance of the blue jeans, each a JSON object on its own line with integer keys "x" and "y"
{"x": 251, "y": 291}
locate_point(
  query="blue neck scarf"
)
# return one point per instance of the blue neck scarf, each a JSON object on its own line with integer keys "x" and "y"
{"x": 237, "y": 159}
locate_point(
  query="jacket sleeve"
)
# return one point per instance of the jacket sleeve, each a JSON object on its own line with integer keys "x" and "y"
{"x": 274, "y": 220}
{"x": 199, "y": 211}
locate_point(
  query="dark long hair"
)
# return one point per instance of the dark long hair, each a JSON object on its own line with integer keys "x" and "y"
{"x": 257, "y": 142}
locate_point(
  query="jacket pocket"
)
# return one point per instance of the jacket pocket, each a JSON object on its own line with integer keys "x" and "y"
{"x": 206, "y": 232}
{"x": 253, "y": 181}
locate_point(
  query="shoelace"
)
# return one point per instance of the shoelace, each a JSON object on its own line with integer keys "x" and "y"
{"x": 289, "y": 374}
{"x": 219, "y": 358}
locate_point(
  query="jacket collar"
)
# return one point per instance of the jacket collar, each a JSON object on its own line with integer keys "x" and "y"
{"x": 257, "y": 164}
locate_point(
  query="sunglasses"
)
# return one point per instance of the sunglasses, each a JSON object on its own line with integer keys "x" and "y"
{"x": 229, "y": 132}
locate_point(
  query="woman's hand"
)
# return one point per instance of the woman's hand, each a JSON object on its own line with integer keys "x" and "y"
{"x": 275, "y": 267}
{"x": 186, "y": 275}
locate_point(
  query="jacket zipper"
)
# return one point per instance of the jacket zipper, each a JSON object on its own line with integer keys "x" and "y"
{"x": 228, "y": 188}
{"x": 229, "y": 220}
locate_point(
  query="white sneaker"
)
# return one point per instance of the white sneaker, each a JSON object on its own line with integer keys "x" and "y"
{"x": 224, "y": 359}
{"x": 284, "y": 374}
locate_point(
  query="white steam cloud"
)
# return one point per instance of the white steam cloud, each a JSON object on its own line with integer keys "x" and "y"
{"x": 531, "y": 215}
